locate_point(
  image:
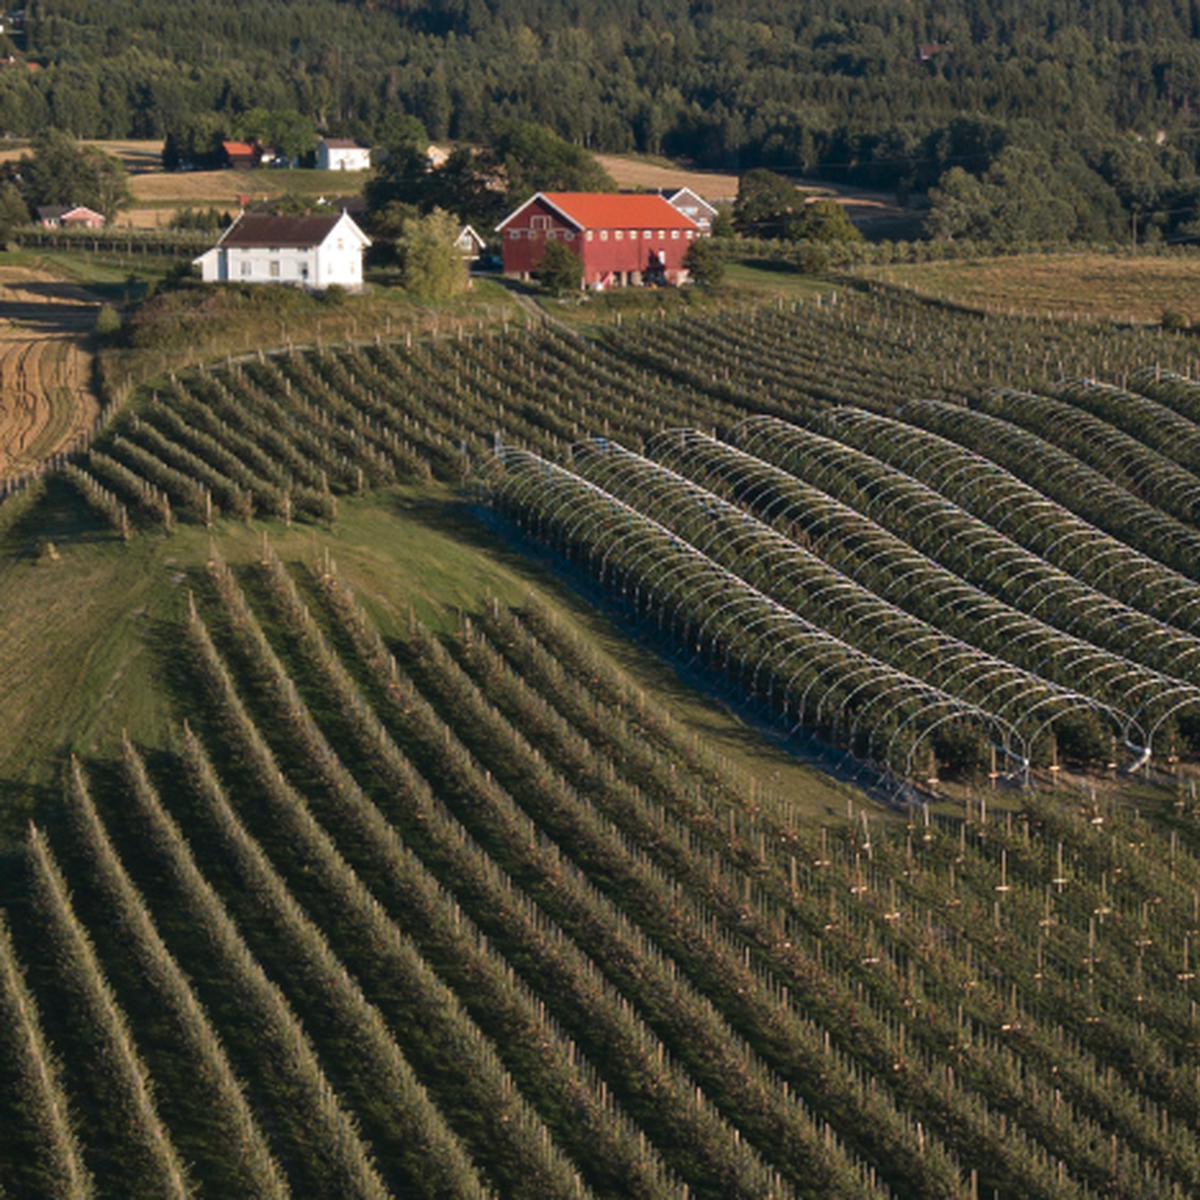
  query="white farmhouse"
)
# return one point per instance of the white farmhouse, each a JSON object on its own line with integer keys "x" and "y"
{"x": 342, "y": 154}
{"x": 304, "y": 251}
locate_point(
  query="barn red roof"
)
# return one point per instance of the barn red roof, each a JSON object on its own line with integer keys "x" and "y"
{"x": 611, "y": 210}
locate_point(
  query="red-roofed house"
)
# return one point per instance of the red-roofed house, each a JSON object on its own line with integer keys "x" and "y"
{"x": 241, "y": 156}
{"x": 620, "y": 238}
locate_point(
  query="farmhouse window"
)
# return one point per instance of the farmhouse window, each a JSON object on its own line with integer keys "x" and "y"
{"x": 274, "y": 268}
{"x": 341, "y": 244}
{"x": 661, "y": 234}
{"x": 674, "y": 235}
{"x": 620, "y": 235}
{"x": 604, "y": 235}
{"x": 589, "y": 235}
{"x": 247, "y": 268}
{"x": 645, "y": 234}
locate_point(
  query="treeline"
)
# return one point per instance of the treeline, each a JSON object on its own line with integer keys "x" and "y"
{"x": 1097, "y": 102}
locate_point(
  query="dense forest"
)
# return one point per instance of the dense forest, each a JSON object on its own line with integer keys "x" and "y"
{"x": 1095, "y": 103}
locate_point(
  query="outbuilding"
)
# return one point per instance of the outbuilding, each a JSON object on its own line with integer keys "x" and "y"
{"x": 692, "y": 205}
{"x": 241, "y": 156}
{"x": 620, "y": 238}
{"x": 342, "y": 154}
{"x": 69, "y": 216}
{"x": 304, "y": 251}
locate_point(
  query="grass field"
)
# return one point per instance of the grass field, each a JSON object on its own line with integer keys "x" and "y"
{"x": 82, "y": 618}
{"x": 1125, "y": 289}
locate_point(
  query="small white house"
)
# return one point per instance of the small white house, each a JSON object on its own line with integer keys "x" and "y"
{"x": 470, "y": 245}
{"x": 342, "y": 154}
{"x": 691, "y": 205}
{"x": 304, "y": 251}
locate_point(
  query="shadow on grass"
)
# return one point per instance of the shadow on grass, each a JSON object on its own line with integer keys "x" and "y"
{"x": 463, "y": 521}
{"x": 61, "y": 517}
{"x": 753, "y": 722}
{"x": 777, "y": 266}
{"x": 20, "y": 803}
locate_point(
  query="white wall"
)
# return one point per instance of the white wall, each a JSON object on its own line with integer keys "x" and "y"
{"x": 339, "y": 159}
{"x": 337, "y": 260}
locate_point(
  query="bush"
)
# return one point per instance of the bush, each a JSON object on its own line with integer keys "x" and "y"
{"x": 1173, "y": 320}
{"x": 560, "y": 270}
{"x": 704, "y": 264}
{"x": 812, "y": 260}
{"x": 108, "y": 322}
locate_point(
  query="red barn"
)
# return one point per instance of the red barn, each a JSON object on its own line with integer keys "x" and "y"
{"x": 620, "y": 239}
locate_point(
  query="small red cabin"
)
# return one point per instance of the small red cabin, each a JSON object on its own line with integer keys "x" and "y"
{"x": 620, "y": 239}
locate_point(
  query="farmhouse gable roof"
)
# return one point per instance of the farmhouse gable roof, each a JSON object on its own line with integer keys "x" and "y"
{"x": 609, "y": 210}
{"x": 684, "y": 197}
{"x": 265, "y": 230}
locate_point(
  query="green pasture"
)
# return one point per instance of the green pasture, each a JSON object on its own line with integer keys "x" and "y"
{"x": 88, "y": 627}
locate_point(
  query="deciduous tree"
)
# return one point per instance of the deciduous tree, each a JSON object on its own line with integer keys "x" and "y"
{"x": 430, "y": 264}
{"x": 559, "y": 271}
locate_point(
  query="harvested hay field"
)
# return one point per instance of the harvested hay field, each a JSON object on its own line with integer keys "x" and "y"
{"x": 861, "y": 205}
{"x": 46, "y": 399}
{"x": 1127, "y": 289}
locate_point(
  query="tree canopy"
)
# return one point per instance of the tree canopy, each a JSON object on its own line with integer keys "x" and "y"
{"x": 430, "y": 264}
{"x": 559, "y": 270}
{"x": 850, "y": 91}
{"x": 61, "y": 171}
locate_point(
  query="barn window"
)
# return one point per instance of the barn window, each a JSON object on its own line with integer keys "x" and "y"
{"x": 569, "y": 234}
{"x": 645, "y": 235}
{"x": 674, "y": 235}
{"x": 661, "y": 234}
{"x": 539, "y": 222}
{"x": 514, "y": 234}
{"x": 589, "y": 235}
{"x": 604, "y": 235}
{"x": 620, "y": 235}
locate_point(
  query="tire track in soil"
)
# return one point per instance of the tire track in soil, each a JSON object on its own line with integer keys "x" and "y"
{"x": 46, "y": 401}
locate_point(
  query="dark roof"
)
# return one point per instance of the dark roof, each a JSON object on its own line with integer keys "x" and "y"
{"x": 343, "y": 144}
{"x": 54, "y": 212}
{"x": 264, "y": 229}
